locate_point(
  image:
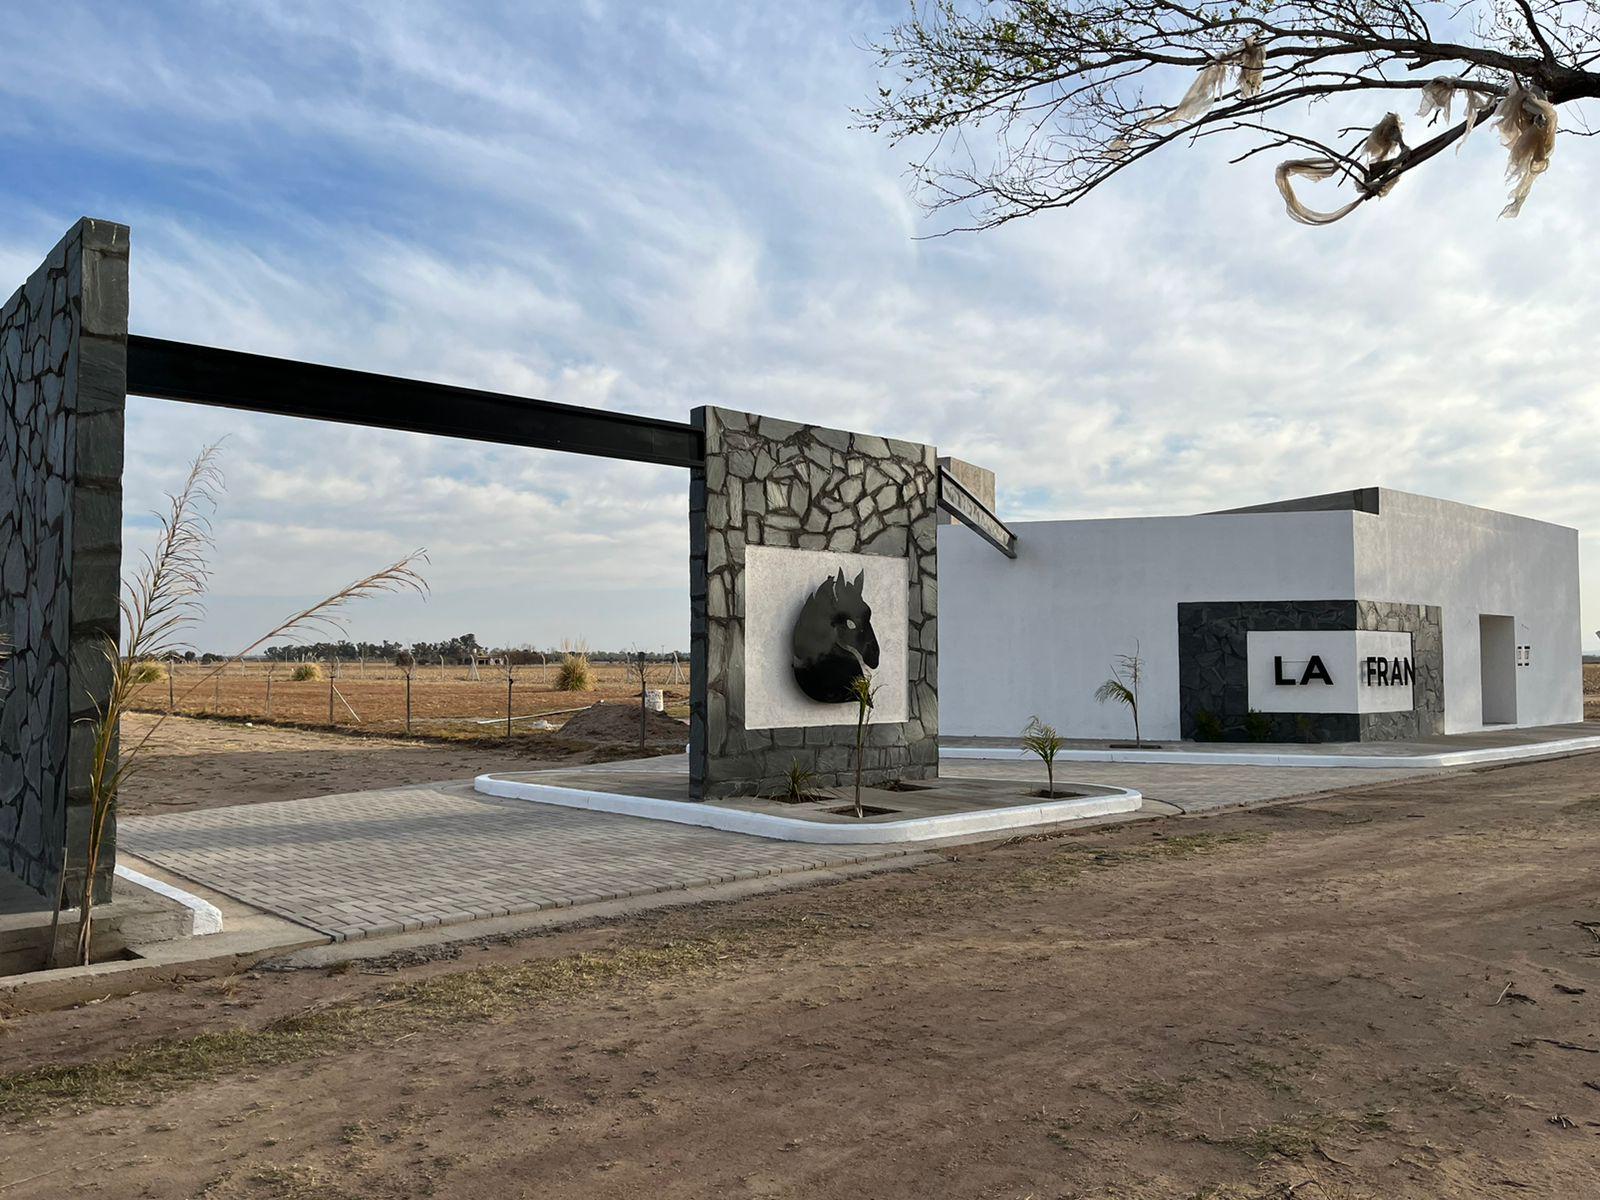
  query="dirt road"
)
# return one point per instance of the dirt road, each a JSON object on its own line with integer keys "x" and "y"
{"x": 1385, "y": 994}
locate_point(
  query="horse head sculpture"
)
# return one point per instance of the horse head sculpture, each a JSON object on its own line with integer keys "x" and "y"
{"x": 833, "y": 640}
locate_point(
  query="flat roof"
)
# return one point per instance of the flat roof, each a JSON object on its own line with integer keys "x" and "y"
{"x": 1355, "y": 500}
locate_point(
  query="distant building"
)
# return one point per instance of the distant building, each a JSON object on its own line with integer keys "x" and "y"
{"x": 1355, "y": 616}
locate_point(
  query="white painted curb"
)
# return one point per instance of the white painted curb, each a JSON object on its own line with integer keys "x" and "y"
{"x": 207, "y": 916}
{"x": 1245, "y": 758}
{"x": 791, "y": 829}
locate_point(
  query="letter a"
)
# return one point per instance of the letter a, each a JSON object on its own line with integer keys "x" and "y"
{"x": 1316, "y": 670}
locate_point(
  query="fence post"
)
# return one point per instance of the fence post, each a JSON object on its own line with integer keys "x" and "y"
{"x": 408, "y": 703}
{"x": 508, "y": 701}
{"x": 641, "y": 699}
{"x": 171, "y": 703}
{"x": 331, "y": 715}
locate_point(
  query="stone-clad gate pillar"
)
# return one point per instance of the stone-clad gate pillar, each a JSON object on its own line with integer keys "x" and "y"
{"x": 778, "y": 510}
{"x": 63, "y": 390}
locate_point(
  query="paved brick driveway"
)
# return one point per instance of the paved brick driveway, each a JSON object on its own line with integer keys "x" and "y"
{"x": 369, "y": 863}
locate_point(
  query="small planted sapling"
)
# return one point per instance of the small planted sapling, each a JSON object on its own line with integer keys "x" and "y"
{"x": 863, "y": 693}
{"x": 799, "y": 782}
{"x": 1207, "y": 726}
{"x": 1044, "y": 741}
{"x": 1257, "y": 726}
{"x": 1127, "y": 672}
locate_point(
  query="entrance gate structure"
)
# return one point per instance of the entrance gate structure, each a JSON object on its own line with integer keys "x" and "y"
{"x": 778, "y": 512}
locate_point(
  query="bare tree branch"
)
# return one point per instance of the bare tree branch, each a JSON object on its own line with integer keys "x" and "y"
{"x": 1068, "y": 94}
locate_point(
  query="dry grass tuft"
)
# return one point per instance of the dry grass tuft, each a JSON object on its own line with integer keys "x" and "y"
{"x": 297, "y": 1181}
{"x": 1154, "y": 1093}
{"x": 575, "y": 675}
{"x": 306, "y": 673}
{"x": 1293, "y": 1137}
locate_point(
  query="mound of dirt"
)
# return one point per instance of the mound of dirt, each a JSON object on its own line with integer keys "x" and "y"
{"x": 620, "y": 723}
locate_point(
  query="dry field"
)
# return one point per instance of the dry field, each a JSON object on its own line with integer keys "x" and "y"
{"x": 1387, "y": 994}
{"x": 195, "y": 764}
{"x": 1591, "y": 691}
{"x": 445, "y": 701}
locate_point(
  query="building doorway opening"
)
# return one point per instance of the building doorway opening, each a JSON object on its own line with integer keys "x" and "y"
{"x": 1497, "y": 658}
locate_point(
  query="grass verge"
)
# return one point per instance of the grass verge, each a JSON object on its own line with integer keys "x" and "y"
{"x": 475, "y": 995}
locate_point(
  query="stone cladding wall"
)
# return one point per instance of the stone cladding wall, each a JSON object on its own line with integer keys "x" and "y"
{"x": 768, "y": 482}
{"x": 1425, "y": 624}
{"x": 63, "y": 384}
{"x": 1212, "y": 666}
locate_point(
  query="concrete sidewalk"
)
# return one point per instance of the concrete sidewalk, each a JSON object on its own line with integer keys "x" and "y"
{"x": 1187, "y": 787}
{"x": 1512, "y": 743}
{"x": 367, "y": 864}
{"x": 372, "y": 863}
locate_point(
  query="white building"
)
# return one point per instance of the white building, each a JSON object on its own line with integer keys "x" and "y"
{"x": 1358, "y": 615}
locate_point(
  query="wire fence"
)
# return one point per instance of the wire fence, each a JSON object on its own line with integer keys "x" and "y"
{"x": 447, "y": 701}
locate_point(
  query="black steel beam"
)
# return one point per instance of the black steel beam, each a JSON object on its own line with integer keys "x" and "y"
{"x": 231, "y": 379}
{"x": 961, "y": 504}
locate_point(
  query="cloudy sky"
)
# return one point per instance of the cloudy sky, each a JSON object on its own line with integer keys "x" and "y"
{"x": 648, "y": 207}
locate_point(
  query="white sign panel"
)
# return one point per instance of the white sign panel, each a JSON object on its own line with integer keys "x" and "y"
{"x": 1340, "y": 671}
{"x": 778, "y": 584}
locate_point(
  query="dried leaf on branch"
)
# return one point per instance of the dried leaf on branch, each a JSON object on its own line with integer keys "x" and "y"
{"x": 1071, "y": 93}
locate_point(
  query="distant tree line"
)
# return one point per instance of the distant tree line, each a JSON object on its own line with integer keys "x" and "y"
{"x": 457, "y": 651}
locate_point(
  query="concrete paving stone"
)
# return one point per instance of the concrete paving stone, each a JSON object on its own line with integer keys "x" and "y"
{"x": 403, "y": 859}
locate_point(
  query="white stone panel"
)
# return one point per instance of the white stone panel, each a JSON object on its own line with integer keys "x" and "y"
{"x": 1330, "y": 671}
{"x": 777, "y": 583}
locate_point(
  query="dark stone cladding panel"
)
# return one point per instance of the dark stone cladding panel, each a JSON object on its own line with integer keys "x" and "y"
{"x": 63, "y": 383}
{"x": 1425, "y": 624}
{"x": 1212, "y": 666}
{"x": 768, "y": 482}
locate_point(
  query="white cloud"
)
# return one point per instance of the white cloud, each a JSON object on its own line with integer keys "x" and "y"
{"x": 649, "y": 209}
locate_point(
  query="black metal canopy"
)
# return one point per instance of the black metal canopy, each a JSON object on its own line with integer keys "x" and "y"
{"x": 960, "y": 503}
{"x": 232, "y": 379}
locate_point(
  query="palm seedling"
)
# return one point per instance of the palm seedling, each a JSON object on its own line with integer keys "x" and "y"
{"x": 1123, "y": 686}
{"x": 1044, "y": 741}
{"x": 863, "y": 693}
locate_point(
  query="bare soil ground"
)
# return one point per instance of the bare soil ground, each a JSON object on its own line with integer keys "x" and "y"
{"x": 192, "y": 764}
{"x": 445, "y": 701}
{"x": 1388, "y": 993}
{"x": 619, "y": 724}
